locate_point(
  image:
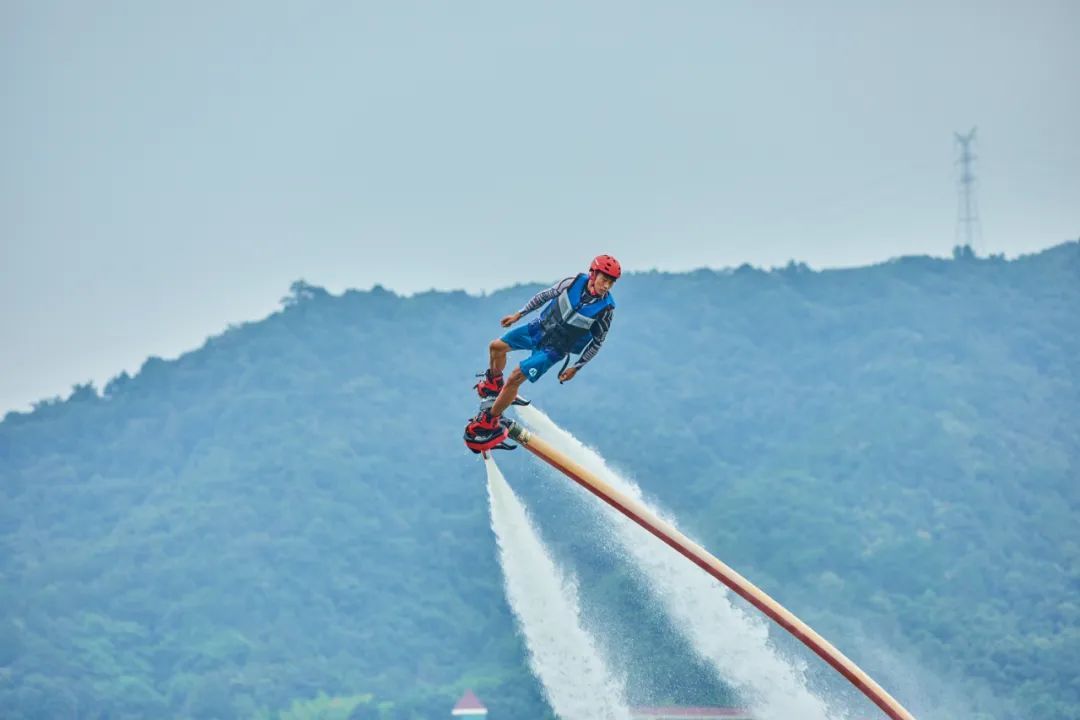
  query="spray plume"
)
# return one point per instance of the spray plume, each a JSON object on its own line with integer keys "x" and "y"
{"x": 733, "y": 642}
{"x": 562, "y": 654}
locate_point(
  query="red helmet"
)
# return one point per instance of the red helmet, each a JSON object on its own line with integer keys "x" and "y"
{"x": 607, "y": 265}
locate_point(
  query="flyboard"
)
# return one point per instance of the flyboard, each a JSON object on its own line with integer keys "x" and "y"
{"x": 483, "y": 439}
{"x": 703, "y": 559}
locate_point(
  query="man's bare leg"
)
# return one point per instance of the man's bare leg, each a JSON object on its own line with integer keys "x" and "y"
{"x": 509, "y": 391}
{"x": 497, "y": 356}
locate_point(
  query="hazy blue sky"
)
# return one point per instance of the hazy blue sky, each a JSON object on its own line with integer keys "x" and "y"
{"x": 169, "y": 168}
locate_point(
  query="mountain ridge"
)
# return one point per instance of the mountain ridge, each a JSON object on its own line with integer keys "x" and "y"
{"x": 226, "y": 533}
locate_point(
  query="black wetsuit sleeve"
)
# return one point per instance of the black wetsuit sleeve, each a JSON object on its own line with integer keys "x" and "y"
{"x": 546, "y": 295}
{"x": 599, "y": 334}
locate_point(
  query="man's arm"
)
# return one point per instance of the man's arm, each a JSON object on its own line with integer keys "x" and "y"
{"x": 545, "y": 295}
{"x": 599, "y": 334}
{"x": 538, "y": 300}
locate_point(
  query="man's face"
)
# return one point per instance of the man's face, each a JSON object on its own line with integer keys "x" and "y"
{"x": 601, "y": 283}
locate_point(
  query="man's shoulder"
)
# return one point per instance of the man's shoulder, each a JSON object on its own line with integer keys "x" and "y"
{"x": 565, "y": 283}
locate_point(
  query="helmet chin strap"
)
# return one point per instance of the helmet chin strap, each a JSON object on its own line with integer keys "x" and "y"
{"x": 591, "y": 284}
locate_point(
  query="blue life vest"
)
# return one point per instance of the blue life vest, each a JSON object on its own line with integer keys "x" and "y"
{"x": 566, "y": 323}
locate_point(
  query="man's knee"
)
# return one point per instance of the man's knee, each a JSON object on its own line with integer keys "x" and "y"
{"x": 516, "y": 378}
{"x": 498, "y": 346}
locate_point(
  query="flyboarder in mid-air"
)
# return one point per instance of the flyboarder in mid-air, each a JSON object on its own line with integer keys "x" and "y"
{"x": 576, "y": 320}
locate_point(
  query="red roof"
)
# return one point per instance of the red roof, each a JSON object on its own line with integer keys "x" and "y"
{"x": 469, "y": 701}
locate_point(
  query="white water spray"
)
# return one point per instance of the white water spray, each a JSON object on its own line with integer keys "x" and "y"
{"x": 562, "y": 654}
{"x": 733, "y": 642}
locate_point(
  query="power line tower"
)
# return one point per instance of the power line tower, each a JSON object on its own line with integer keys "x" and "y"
{"x": 968, "y": 227}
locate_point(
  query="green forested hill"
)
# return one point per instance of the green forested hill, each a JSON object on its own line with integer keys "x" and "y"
{"x": 891, "y": 451}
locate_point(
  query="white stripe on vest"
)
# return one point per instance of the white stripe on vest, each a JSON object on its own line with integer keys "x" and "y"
{"x": 566, "y": 310}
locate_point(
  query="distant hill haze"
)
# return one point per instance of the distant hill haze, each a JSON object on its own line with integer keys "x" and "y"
{"x": 288, "y": 514}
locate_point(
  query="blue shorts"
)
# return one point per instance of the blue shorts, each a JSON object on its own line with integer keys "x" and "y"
{"x": 527, "y": 337}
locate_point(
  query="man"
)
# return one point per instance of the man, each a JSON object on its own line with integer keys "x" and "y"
{"x": 576, "y": 320}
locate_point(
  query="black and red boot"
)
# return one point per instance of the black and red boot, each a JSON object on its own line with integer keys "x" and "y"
{"x": 490, "y": 387}
{"x": 486, "y": 432}
{"x": 490, "y": 384}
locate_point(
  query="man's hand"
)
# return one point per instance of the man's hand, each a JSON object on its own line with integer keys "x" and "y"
{"x": 568, "y": 374}
{"x": 510, "y": 319}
